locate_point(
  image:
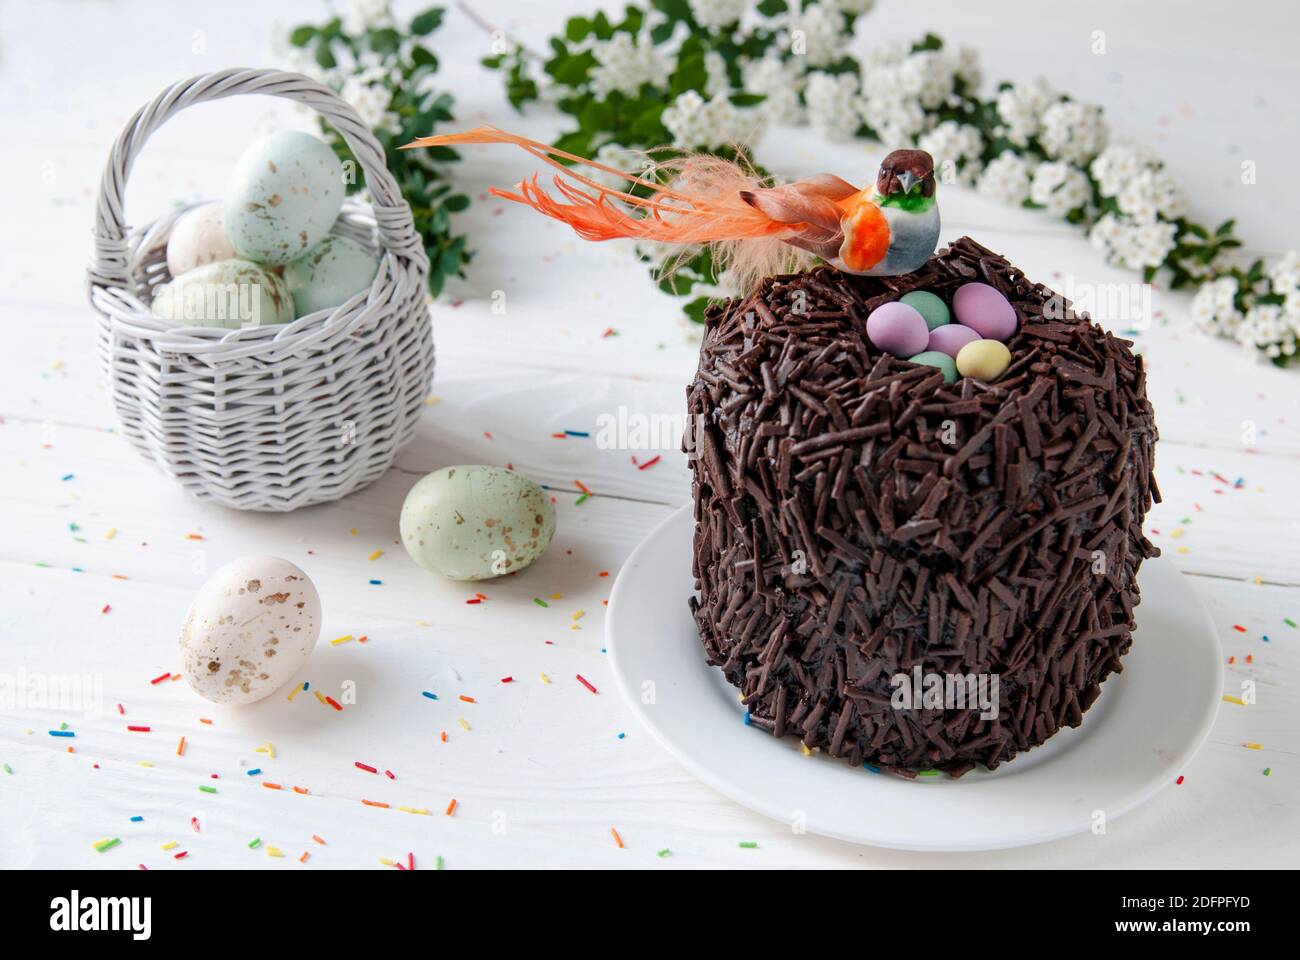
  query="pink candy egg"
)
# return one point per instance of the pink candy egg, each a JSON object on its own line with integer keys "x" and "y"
{"x": 898, "y": 329}
{"x": 950, "y": 338}
{"x": 985, "y": 310}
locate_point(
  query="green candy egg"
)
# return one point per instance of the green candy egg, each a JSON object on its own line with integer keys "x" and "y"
{"x": 928, "y": 305}
{"x": 330, "y": 273}
{"x": 937, "y": 358}
{"x": 475, "y": 522}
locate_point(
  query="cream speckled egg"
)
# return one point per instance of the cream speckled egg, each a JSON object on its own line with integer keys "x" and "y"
{"x": 330, "y": 273}
{"x": 197, "y": 238}
{"x": 251, "y": 627}
{"x": 283, "y": 197}
{"x": 229, "y": 293}
{"x": 473, "y": 522}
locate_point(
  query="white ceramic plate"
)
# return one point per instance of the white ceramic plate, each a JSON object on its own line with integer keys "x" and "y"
{"x": 1141, "y": 732}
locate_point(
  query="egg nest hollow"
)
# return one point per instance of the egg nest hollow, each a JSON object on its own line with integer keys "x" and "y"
{"x": 856, "y": 518}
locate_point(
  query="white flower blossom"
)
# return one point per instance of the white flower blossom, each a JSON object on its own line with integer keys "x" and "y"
{"x": 1021, "y": 107}
{"x": 1119, "y": 164}
{"x": 956, "y": 147}
{"x": 715, "y": 68}
{"x": 1214, "y": 309}
{"x": 854, "y": 8}
{"x": 1284, "y": 274}
{"x": 1151, "y": 193}
{"x": 817, "y": 34}
{"x": 370, "y": 96}
{"x": 1265, "y": 330}
{"x": 1060, "y": 187}
{"x": 699, "y": 124}
{"x": 1132, "y": 244}
{"x": 1073, "y": 131}
{"x": 620, "y": 158}
{"x": 624, "y": 64}
{"x": 833, "y": 104}
{"x": 929, "y": 76}
{"x": 713, "y": 14}
{"x": 779, "y": 82}
{"x": 1006, "y": 178}
{"x": 966, "y": 67}
{"x": 358, "y": 16}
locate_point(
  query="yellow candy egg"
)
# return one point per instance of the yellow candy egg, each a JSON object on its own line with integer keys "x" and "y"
{"x": 983, "y": 359}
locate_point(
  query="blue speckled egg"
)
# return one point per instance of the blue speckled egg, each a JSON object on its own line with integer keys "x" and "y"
{"x": 330, "y": 273}
{"x": 283, "y": 197}
{"x": 229, "y": 293}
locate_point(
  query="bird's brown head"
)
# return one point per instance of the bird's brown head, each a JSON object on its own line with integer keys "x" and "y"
{"x": 906, "y": 171}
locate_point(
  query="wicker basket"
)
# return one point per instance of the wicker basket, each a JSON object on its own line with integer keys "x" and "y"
{"x": 276, "y": 417}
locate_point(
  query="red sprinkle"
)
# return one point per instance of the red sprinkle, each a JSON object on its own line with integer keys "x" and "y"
{"x": 474, "y": 600}
{"x": 507, "y": 679}
{"x": 106, "y": 608}
{"x": 137, "y": 729}
{"x": 410, "y": 861}
{"x": 468, "y": 699}
{"x": 451, "y": 807}
{"x": 389, "y": 775}
{"x": 333, "y": 703}
{"x": 366, "y": 767}
{"x": 161, "y": 679}
{"x": 182, "y": 855}
{"x": 649, "y": 463}
{"x": 1179, "y": 780}
{"x": 121, "y": 709}
{"x": 1239, "y": 628}
{"x": 583, "y": 680}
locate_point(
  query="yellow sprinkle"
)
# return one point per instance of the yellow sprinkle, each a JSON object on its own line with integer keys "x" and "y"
{"x": 579, "y": 614}
{"x": 319, "y": 696}
{"x": 422, "y": 812}
{"x": 146, "y": 763}
{"x": 464, "y": 724}
{"x": 557, "y": 596}
{"x": 353, "y": 531}
{"x": 110, "y": 533}
{"x": 1183, "y": 550}
{"x": 1253, "y": 746}
{"x": 545, "y": 678}
{"x": 376, "y": 555}
{"x": 1258, "y": 580}
{"x": 58, "y": 365}
{"x": 343, "y": 639}
{"x": 433, "y": 401}
{"x": 169, "y": 846}
{"x": 1237, "y": 700}
{"x": 385, "y": 861}
{"x": 295, "y": 691}
{"x": 98, "y": 842}
{"x": 1175, "y": 534}
{"x": 274, "y": 852}
{"x": 806, "y": 751}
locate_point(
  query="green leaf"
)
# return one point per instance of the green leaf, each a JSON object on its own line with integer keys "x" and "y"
{"x": 747, "y": 99}
{"x": 384, "y": 40}
{"x": 425, "y": 23}
{"x": 576, "y": 28}
{"x": 324, "y": 55}
{"x": 572, "y": 71}
{"x": 696, "y": 308}
{"x": 301, "y": 35}
{"x": 423, "y": 57}
{"x": 456, "y": 203}
{"x": 772, "y": 8}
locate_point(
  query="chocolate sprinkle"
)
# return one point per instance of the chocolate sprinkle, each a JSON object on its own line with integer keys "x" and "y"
{"x": 856, "y": 517}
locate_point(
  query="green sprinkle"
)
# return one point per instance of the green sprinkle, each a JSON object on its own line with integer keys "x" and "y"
{"x": 748, "y": 845}
{"x": 1268, "y": 771}
{"x": 63, "y": 726}
{"x": 927, "y": 773}
{"x": 208, "y": 789}
{"x": 441, "y": 863}
{"x": 665, "y": 852}
{"x": 540, "y": 602}
{"x": 107, "y": 844}
{"x": 1288, "y": 621}
{"x": 578, "y": 502}
{"x": 254, "y": 843}
{"x": 8, "y": 769}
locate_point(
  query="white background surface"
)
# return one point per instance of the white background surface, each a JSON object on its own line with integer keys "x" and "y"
{"x": 542, "y": 775}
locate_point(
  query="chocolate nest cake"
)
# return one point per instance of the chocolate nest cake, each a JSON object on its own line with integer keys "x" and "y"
{"x": 858, "y": 518}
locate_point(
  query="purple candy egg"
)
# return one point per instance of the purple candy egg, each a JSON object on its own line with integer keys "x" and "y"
{"x": 984, "y": 310}
{"x": 898, "y": 329}
{"x": 950, "y": 338}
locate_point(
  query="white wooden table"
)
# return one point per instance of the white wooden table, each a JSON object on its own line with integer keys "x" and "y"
{"x": 546, "y": 769}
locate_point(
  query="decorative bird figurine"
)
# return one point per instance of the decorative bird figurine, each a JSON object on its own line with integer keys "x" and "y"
{"x": 886, "y": 229}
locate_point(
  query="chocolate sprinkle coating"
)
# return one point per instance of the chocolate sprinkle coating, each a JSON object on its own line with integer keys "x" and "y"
{"x": 855, "y": 517}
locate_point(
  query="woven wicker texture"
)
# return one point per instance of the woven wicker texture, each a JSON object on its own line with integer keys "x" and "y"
{"x": 276, "y": 417}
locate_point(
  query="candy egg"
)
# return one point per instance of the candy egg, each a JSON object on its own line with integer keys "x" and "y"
{"x": 985, "y": 310}
{"x": 983, "y": 359}
{"x": 472, "y": 522}
{"x": 928, "y": 305}
{"x": 897, "y": 329}
{"x": 251, "y": 627}
{"x": 283, "y": 197}
{"x": 229, "y": 293}
{"x": 936, "y": 358}
{"x": 198, "y": 237}
{"x": 330, "y": 273}
{"x": 950, "y": 338}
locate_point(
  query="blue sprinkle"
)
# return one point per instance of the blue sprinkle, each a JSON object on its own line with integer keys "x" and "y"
{"x": 62, "y": 733}
{"x": 306, "y": 685}
{"x": 746, "y": 718}
{"x": 577, "y": 433}
{"x": 431, "y": 696}
{"x": 375, "y": 583}
{"x": 255, "y": 771}
{"x": 67, "y": 476}
{"x": 137, "y": 819}
{"x": 1265, "y": 638}
{"x": 78, "y": 570}
{"x": 622, "y": 735}
{"x": 871, "y": 768}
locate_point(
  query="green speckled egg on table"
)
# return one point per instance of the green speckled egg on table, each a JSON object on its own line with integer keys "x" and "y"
{"x": 283, "y": 197}
{"x": 330, "y": 273}
{"x": 476, "y": 522}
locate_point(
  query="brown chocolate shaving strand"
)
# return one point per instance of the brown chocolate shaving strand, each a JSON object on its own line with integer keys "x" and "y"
{"x": 856, "y": 517}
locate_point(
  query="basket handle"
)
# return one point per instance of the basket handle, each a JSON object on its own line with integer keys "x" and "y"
{"x": 109, "y": 265}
